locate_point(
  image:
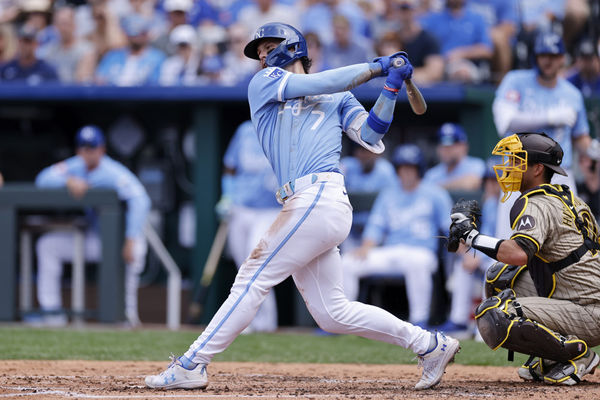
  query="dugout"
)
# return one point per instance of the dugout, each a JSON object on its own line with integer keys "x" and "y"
{"x": 174, "y": 138}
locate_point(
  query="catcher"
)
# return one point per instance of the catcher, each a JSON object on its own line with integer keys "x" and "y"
{"x": 543, "y": 296}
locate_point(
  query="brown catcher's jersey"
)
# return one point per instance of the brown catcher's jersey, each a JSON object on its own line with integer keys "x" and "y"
{"x": 544, "y": 222}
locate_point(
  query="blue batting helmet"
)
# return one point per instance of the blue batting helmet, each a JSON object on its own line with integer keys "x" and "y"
{"x": 292, "y": 47}
{"x": 548, "y": 43}
{"x": 409, "y": 154}
{"x": 89, "y": 136}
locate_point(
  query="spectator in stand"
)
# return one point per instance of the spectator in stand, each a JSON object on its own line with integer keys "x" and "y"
{"x": 346, "y": 48}
{"x": 107, "y": 33}
{"x": 73, "y": 59}
{"x": 182, "y": 67}
{"x": 138, "y": 64}
{"x": 400, "y": 235}
{"x": 464, "y": 39}
{"x": 317, "y": 16}
{"x": 364, "y": 173}
{"x": 8, "y": 43}
{"x": 176, "y": 15}
{"x": 147, "y": 9}
{"x": 37, "y": 15}
{"x": 315, "y": 49}
{"x": 586, "y": 74}
{"x": 456, "y": 170}
{"x": 502, "y": 18}
{"x": 26, "y": 67}
{"x": 422, "y": 47}
{"x": 260, "y": 12}
{"x": 238, "y": 69}
{"x": 386, "y": 20}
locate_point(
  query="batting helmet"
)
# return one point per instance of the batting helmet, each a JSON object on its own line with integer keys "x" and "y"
{"x": 292, "y": 46}
{"x": 409, "y": 154}
{"x": 548, "y": 43}
{"x": 523, "y": 149}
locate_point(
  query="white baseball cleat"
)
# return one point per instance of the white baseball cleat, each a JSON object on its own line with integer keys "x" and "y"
{"x": 435, "y": 361}
{"x": 177, "y": 377}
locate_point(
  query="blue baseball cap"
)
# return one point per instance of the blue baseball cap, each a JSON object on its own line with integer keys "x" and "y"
{"x": 89, "y": 136}
{"x": 450, "y": 133}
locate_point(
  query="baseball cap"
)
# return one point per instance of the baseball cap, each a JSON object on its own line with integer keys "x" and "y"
{"x": 89, "y": 136}
{"x": 178, "y": 5}
{"x": 586, "y": 49}
{"x": 450, "y": 133}
{"x": 408, "y": 154}
{"x": 183, "y": 34}
{"x": 135, "y": 25}
{"x": 27, "y": 32}
{"x": 35, "y": 5}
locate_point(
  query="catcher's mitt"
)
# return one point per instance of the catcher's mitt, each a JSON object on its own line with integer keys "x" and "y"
{"x": 465, "y": 218}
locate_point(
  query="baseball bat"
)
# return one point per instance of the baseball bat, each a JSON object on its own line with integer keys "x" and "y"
{"x": 210, "y": 267}
{"x": 415, "y": 98}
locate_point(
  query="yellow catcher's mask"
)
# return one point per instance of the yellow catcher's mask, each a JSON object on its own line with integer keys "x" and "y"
{"x": 513, "y": 164}
{"x": 521, "y": 149}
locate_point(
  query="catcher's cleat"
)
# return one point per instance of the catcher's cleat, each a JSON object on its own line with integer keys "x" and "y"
{"x": 571, "y": 372}
{"x": 178, "y": 377}
{"x": 535, "y": 371}
{"x": 434, "y": 362}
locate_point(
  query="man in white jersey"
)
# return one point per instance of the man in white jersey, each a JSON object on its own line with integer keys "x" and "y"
{"x": 299, "y": 119}
{"x": 539, "y": 100}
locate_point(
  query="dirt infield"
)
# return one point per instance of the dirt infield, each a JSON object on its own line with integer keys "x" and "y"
{"x": 124, "y": 380}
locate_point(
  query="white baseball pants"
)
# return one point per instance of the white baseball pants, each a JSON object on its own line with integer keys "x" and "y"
{"x": 246, "y": 227}
{"x": 416, "y": 264}
{"x": 55, "y": 248}
{"x": 302, "y": 242}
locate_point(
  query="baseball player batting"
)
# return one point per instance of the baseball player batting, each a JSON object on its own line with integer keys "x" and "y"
{"x": 299, "y": 119}
{"x": 543, "y": 293}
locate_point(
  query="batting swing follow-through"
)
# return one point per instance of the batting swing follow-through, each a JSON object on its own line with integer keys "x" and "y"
{"x": 299, "y": 119}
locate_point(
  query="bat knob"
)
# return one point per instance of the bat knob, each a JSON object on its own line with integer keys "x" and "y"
{"x": 398, "y": 62}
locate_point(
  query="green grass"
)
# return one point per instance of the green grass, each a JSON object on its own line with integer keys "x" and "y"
{"x": 110, "y": 344}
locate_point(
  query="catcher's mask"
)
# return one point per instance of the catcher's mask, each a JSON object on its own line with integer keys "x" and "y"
{"x": 519, "y": 150}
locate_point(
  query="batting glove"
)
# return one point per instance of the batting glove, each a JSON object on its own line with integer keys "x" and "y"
{"x": 386, "y": 61}
{"x": 397, "y": 76}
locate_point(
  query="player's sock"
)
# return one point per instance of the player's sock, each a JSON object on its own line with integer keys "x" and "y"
{"x": 432, "y": 342}
{"x": 187, "y": 363}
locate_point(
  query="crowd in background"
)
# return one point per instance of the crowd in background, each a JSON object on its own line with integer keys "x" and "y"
{"x": 200, "y": 42}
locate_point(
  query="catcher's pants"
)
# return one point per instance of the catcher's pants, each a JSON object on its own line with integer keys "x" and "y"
{"x": 246, "y": 227}
{"x": 416, "y": 264}
{"x": 503, "y": 229}
{"x": 55, "y": 248}
{"x": 302, "y": 242}
{"x": 560, "y": 314}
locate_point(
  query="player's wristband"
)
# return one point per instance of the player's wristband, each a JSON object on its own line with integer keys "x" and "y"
{"x": 377, "y": 124}
{"x": 488, "y": 245}
{"x": 228, "y": 185}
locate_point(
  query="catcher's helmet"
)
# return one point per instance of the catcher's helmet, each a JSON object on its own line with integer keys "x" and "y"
{"x": 548, "y": 43}
{"x": 409, "y": 154}
{"x": 522, "y": 149}
{"x": 292, "y": 47}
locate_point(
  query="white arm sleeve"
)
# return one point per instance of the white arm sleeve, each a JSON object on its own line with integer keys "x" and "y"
{"x": 508, "y": 118}
{"x": 353, "y": 133}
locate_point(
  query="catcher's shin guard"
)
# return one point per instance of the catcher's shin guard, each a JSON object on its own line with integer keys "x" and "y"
{"x": 501, "y": 276}
{"x": 500, "y": 326}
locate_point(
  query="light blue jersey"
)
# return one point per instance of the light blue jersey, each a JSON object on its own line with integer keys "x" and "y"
{"x": 301, "y": 135}
{"x": 254, "y": 180}
{"x": 468, "y": 166}
{"x": 109, "y": 174}
{"x": 521, "y": 89}
{"x": 409, "y": 218}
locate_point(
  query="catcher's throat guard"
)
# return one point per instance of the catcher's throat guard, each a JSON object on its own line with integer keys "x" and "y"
{"x": 509, "y": 172}
{"x": 501, "y": 323}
